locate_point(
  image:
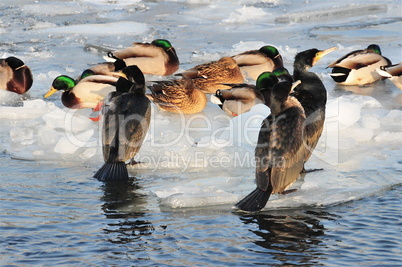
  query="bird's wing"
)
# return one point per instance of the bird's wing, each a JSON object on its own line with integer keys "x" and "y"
{"x": 168, "y": 92}
{"x": 357, "y": 60}
{"x": 280, "y": 149}
{"x": 138, "y": 50}
{"x": 250, "y": 59}
{"x": 110, "y": 126}
{"x": 136, "y": 113}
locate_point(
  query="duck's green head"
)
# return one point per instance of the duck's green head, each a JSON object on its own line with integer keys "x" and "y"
{"x": 270, "y": 51}
{"x": 283, "y": 75}
{"x": 86, "y": 73}
{"x": 165, "y": 44}
{"x": 375, "y": 48}
{"x": 266, "y": 81}
{"x": 62, "y": 82}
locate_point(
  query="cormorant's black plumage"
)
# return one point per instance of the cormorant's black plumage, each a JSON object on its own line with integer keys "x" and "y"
{"x": 126, "y": 116}
{"x": 280, "y": 152}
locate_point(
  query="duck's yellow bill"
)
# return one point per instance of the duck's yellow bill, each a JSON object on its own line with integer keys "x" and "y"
{"x": 51, "y": 92}
{"x": 323, "y": 53}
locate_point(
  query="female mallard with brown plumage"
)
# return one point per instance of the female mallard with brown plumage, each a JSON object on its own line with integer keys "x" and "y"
{"x": 359, "y": 67}
{"x": 178, "y": 96}
{"x": 15, "y": 76}
{"x": 255, "y": 62}
{"x": 156, "y": 58}
{"x": 212, "y": 76}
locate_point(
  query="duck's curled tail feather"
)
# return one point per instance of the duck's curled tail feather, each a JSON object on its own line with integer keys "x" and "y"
{"x": 112, "y": 172}
{"x": 255, "y": 201}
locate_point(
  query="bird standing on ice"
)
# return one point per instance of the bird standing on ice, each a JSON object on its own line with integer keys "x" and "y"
{"x": 280, "y": 152}
{"x": 126, "y": 117}
{"x": 311, "y": 94}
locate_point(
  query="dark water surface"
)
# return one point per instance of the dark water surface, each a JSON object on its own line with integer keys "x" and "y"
{"x": 57, "y": 215}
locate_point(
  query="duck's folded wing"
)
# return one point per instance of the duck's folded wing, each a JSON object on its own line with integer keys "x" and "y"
{"x": 357, "y": 60}
{"x": 138, "y": 50}
{"x": 250, "y": 59}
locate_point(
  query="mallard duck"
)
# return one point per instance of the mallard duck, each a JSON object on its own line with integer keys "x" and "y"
{"x": 157, "y": 58}
{"x": 241, "y": 97}
{"x": 280, "y": 150}
{"x": 126, "y": 117}
{"x": 105, "y": 68}
{"x": 255, "y": 62}
{"x": 311, "y": 94}
{"x": 359, "y": 67}
{"x": 237, "y": 100}
{"x": 15, "y": 76}
{"x": 393, "y": 73}
{"x": 212, "y": 76}
{"x": 86, "y": 93}
{"x": 179, "y": 96}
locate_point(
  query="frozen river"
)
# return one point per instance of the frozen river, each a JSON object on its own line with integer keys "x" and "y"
{"x": 177, "y": 208}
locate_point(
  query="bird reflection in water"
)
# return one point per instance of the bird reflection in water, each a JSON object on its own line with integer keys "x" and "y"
{"x": 125, "y": 207}
{"x": 290, "y": 237}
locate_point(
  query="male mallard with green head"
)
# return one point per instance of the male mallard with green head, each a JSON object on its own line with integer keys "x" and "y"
{"x": 359, "y": 67}
{"x": 86, "y": 93}
{"x": 255, "y": 62}
{"x": 156, "y": 58}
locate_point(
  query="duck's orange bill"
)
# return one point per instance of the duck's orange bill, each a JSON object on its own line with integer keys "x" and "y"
{"x": 96, "y": 118}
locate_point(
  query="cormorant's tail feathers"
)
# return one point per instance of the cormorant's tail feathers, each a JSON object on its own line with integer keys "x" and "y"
{"x": 112, "y": 172}
{"x": 255, "y": 201}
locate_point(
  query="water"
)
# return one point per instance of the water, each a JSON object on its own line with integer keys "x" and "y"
{"x": 177, "y": 207}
